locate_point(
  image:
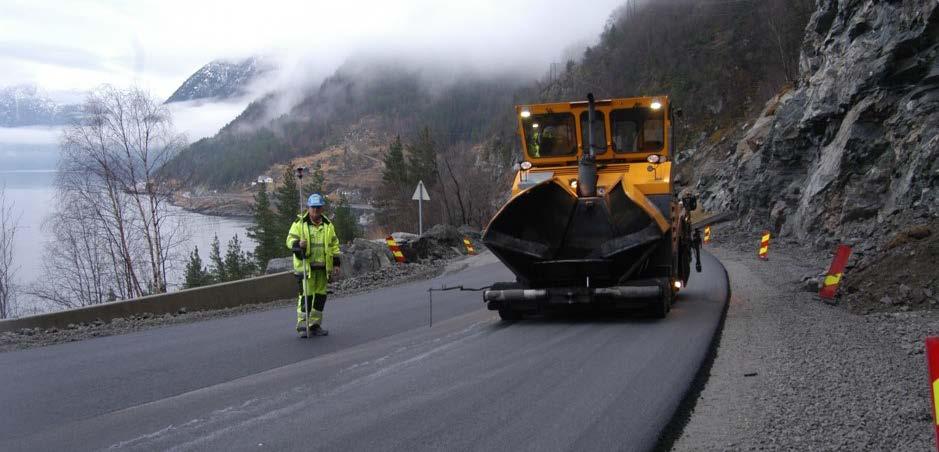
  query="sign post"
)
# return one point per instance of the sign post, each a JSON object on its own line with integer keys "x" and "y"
{"x": 420, "y": 195}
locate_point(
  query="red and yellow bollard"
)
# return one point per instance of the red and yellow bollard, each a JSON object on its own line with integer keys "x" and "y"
{"x": 932, "y": 362}
{"x": 764, "y": 246}
{"x": 835, "y": 271}
{"x": 395, "y": 249}
{"x": 469, "y": 246}
{"x": 707, "y": 234}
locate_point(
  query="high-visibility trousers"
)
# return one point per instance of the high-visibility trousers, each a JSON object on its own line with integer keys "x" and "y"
{"x": 313, "y": 297}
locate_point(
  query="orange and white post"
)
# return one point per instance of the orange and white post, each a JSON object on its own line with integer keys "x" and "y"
{"x": 469, "y": 246}
{"x": 395, "y": 249}
{"x": 764, "y": 246}
{"x": 932, "y": 361}
{"x": 707, "y": 234}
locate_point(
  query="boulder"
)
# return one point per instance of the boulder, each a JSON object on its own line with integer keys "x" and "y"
{"x": 363, "y": 256}
{"x": 279, "y": 265}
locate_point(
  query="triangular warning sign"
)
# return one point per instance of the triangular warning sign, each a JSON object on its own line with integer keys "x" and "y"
{"x": 420, "y": 193}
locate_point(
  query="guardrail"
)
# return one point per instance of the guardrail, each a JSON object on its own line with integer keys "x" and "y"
{"x": 261, "y": 289}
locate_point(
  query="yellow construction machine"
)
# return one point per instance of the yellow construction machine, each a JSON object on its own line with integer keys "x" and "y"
{"x": 593, "y": 219}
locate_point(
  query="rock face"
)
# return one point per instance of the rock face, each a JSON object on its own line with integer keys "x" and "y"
{"x": 856, "y": 144}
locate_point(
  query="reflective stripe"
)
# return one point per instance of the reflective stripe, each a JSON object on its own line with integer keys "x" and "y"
{"x": 935, "y": 399}
{"x": 833, "y": 280}
{"x": 764, "y": 249}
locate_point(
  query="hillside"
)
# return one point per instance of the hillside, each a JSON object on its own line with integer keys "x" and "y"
{"x": 356, "y": 112}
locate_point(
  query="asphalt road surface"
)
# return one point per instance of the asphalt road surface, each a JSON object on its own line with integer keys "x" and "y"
{"x": 382, "y": 379}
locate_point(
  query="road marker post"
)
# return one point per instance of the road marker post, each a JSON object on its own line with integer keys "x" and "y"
{"x": 835, "y": 271}
{"x": 932, "y": 361}
{"x": 395, "y": 249}
{"x": 707, "y": 234}
{"x": 764, "y": 246}
{"x": 469, "y": 246}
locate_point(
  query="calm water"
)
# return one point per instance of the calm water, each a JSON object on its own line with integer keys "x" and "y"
{"x": 32, "y": 193}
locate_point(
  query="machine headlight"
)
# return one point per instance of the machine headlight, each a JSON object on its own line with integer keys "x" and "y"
{"x": 654, "y": 158}
{"x": 525, "y": 114}
{"x": 574, "y": 184}
{"x": 526, "y": 166}
{"x": 656, "y": 104}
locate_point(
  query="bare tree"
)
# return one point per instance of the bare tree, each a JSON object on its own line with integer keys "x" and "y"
{"x": 114, "y": 228}
{"x": 8, "y": 226}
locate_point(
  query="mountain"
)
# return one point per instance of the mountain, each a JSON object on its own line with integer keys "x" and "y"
{"x": 221, "y": 79}
{"x": 347, "y": 122}
{"x": 27, "y": 105}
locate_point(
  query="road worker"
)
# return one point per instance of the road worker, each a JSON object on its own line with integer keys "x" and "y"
{"x": 312, "y": 238}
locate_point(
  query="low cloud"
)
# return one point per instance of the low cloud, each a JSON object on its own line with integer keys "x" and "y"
{"x": 30, "y": 135}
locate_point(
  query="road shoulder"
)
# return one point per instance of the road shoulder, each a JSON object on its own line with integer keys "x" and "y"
{"x": 793, "y": 373}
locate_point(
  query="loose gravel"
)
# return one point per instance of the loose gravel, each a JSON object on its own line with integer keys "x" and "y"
{"x": 392, "y": 276}
{"x": 792, "y": 373}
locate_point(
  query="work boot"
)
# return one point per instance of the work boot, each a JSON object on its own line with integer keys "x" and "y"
{"x": 317, "y": 330}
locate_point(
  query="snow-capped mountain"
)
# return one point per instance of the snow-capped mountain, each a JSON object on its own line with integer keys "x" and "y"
{"x": 220, "y": 79}
{"x": 27, "y": 105}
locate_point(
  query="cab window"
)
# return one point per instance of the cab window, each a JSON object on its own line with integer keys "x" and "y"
{"x": 599, "y": 132}
{"x": 637, "y": 130}
{"x": 550, "y": 135}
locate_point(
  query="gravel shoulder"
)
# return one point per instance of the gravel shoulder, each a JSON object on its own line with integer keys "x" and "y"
{"x": 792, "y": 373}
{"x": 389, "y": 277}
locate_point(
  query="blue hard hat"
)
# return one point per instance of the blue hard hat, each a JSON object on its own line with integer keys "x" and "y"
{"x": 315, "y": 200}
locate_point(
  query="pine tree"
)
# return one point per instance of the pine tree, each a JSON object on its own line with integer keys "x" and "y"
{"x": 196, "y": 275}
{"x": 238, "y": 264}
{"x": 347, "y": 227}
{"x": 395, "y": 173}
{"x": 287, "y": 197}
{"x": 422, "y": 159}
{"x": 264, "y": 230}
{"x": 216, "y": 264}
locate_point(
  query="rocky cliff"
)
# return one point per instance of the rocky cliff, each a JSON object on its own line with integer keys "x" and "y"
{"x": 849, "y": 155}
{"x": 853, "y": 148}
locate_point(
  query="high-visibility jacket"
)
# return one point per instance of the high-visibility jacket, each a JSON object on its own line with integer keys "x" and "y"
{"x": 322, "y": 242}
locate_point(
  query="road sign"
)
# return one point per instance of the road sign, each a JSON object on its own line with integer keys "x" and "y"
{"x": 420, "y": 193}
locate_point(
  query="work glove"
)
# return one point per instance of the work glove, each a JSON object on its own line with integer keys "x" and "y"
{"x": 297, "y": 249}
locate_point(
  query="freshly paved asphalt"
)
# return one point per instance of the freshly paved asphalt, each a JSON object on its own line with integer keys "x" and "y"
{"x": 382, "y": 380}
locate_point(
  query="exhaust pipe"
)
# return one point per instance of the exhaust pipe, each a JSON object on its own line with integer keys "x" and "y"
{"x": 587, "y": 167}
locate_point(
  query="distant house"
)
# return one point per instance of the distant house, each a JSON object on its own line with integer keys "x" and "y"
{"x": 264, "y": 180}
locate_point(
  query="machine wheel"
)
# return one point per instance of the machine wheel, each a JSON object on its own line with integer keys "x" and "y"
{"x": 509, "y": 315}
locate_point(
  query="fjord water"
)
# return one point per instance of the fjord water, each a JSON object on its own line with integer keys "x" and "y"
{"x": 32, "y": 193}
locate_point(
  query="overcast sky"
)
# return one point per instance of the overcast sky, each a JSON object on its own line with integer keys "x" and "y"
{"x": 74, "y": 45}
